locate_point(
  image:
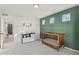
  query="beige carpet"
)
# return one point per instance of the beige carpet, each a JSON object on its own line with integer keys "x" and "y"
{"x": 33, "y": 48}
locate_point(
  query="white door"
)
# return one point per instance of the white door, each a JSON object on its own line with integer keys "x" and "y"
{"x": 2, "y": 30}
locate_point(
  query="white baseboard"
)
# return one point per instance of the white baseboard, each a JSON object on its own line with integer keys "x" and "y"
{"x": 72, "y": 49}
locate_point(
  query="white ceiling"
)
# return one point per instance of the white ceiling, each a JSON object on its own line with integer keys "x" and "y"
{"x": 27, "y": 10}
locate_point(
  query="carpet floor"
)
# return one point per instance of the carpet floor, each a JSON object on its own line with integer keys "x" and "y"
{"x": 33, "y": 48}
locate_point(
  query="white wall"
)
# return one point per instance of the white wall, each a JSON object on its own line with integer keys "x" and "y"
{"x": 18, "y": 26}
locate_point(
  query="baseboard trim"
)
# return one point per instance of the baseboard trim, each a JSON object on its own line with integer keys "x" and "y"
{"x": 72, "y": 49}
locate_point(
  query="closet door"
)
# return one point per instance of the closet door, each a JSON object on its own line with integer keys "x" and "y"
{"x": 2, "y": 35}
{"x": 0, "y": 32}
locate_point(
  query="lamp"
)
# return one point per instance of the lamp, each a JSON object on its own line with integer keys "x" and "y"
{"x": 36, "y": 5}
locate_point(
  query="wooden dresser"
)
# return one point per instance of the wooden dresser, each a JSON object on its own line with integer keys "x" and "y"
{"x": 53, "y": 39}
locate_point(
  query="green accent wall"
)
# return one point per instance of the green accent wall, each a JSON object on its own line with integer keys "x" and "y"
{"x": 77, "y": 29}
{"x": 70, "y": 28}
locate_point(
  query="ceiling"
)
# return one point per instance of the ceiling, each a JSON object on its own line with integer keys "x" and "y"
{"x": 27, "y": 10}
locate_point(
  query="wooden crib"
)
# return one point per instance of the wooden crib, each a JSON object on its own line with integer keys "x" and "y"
{"x": 53, "y": 39}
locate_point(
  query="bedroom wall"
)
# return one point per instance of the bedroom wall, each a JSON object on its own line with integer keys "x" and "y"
{"x": 18, "y": 27}
{"x": 77, "y": 30}
{"x": 69, "y": 28}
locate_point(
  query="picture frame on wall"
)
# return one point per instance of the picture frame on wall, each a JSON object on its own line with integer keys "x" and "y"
{"x": 43, "y": 22}
{"x": 66, "y": 17}
{"x": 52, "y": 20}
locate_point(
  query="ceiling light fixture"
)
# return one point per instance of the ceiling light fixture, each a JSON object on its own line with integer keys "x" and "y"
{"x": 36, "y": 5}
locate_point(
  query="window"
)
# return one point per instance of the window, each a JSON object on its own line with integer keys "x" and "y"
{"x": 43, "y": 22}
{"x": 66, "y": 17}
{"x": 52, "y": 20}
